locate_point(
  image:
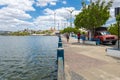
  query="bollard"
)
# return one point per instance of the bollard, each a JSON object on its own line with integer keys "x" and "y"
{"x": 97, "y": 41}
{"x": 59, "y": 44}
{"x": 60, "y": 40}
{"x": 60, "y": 53}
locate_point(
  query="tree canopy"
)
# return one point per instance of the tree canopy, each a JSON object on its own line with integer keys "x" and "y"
{"x": 118, "y": 17}
{"x": 113, "y": 29}
{"x": 94, "y": 15}
{"x": 70, "y": 29}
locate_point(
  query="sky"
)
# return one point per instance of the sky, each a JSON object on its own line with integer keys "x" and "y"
{"x": 42, "y": 14}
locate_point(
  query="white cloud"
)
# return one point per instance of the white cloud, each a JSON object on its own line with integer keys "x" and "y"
{"x": 63, "y": 12}
{"x": 48, "y": 11}
{"x": 52, "y": 3}
{"x": 25, "y": 5}
{"x": 47, "y": 21}
{"x": 61, "y": 17}
{"x": 43, "y": 3}
{"x": 64, "y": 2}
{"x": 14, "y": 14}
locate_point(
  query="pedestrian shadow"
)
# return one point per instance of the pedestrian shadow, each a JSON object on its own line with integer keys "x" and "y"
{"x": 116, "y": 58}
{"x": 75, "y": 76}
{"x": 76, "y": 43}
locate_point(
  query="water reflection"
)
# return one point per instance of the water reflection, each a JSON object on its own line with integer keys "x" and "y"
{"x": 28, "y": 58}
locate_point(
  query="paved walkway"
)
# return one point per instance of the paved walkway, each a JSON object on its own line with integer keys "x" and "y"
{"x": 88, "y": 62}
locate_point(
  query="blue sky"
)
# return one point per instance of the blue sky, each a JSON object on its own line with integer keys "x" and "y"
{"x": 59, "y": 4}
{"x": 41, "y": 14}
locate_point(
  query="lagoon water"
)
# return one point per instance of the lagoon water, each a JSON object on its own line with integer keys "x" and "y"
{"x": 28, "y": 57}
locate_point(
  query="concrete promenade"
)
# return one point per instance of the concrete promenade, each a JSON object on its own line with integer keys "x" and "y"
{"x": 89, "y": 62}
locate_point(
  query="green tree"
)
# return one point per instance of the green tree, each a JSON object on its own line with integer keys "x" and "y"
{"x": 113, "y": 29}
{"x": 94, "y": 15}
{"x": 19, "y": 33}
{"x": 118, "y": 22}
{"x": 118, "y": 18}
{"x": 70, "y": 29}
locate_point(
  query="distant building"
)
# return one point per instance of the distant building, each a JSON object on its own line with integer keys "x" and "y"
{"x": 52, "y": 29}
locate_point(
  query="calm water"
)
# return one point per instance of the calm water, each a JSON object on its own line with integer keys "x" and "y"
{"x": 28, "y": 57}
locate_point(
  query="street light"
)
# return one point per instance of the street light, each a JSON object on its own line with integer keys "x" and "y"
{"x": 54, "y": 19}
{"x": 117, "y": 12}
{"x": 64, "y": 25}
{"x": 67, "y": 19}
{"x": 90, "y": 1}
{"x": 71, "y": 11}
{"x": 58, "y": 27}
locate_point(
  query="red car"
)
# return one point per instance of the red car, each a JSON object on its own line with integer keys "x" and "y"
{"x": 106, "y": 37}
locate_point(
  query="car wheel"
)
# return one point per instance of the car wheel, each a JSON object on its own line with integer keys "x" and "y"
{"x": 113, "y": 43}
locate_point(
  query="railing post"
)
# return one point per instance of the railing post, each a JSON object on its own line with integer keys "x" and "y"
{"x": 97, "y": 41}
{"x": 60, "y": 40}
{"x": 60, "y": 53}
{"x": 59, "y": 44}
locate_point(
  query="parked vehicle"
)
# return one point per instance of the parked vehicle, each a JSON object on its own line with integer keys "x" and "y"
{"x": 105, "y": 36}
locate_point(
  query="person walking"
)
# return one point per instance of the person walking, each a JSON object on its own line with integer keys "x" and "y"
{"x": 67, "y": 36}
{"x": 78, "y": 36}
{"x": 83, "y": 37}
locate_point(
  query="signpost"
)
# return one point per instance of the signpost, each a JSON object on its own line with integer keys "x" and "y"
{"x": 117, "y": 12}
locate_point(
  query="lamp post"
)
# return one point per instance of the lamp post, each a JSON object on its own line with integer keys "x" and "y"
{"x": 71, "y": 11}
{"x": 58, "y": 27}
{"x": 54, "y": 19}
{"x": 64, "y": 25}
{"x": 67, "y": 22}
{"x": 118, "y": 34}
{"x": 90, "y": 1}
{"x": 117, "y": 12}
